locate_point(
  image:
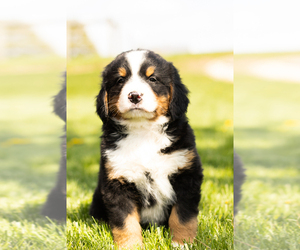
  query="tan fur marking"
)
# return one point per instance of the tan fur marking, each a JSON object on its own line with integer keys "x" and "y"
{"x": 111, "y": 175}
{"x": 190, "y": 155}
{"x": 150, "y": 71}
{"x": 182, "y": 231}
{"x": 162, "y": 105}
{"x": 122, "y": 71}
{"x": 171, "y": 92}
{"x": 131, "y": 234}
{"x": 105, "y": 103}
{"x": 113, "y": 106}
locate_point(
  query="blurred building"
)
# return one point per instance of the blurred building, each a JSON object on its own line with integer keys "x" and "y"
{"x": 101, "y": 36}
{"x": 19, "y": 39}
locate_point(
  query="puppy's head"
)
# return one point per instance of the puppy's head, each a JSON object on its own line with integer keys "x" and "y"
{"x": 139, "y": 85}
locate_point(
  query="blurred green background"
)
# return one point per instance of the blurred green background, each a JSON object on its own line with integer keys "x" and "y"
{"x": 267, "y": 137}
{"x": 29, "y": 151}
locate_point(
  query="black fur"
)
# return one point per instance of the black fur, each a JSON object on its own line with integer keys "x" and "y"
{"x": 180, "y": 101}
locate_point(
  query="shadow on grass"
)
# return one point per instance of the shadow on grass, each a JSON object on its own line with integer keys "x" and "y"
{"x": 28, "y": 163}
{"x": 219, "y": 180}
{"x": 81, "y": 213}
{"x": 215, "y": 147}
{"x": 83, "y": 165}
{"x": 269, "y": 149}
{"x": 30, "y": 213}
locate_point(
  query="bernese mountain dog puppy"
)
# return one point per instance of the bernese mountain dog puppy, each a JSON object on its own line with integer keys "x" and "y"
{"x": 150, "y": 171}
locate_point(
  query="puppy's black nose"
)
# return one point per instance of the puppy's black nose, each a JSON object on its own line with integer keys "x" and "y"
{"x": 135, "y": 97}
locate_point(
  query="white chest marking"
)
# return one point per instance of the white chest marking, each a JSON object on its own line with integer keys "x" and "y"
{"x": 138, "y": 154}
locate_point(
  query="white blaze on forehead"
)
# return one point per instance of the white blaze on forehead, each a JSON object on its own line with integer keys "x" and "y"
{"x": 135, "y": 83}
{"x": 135, "y": 60}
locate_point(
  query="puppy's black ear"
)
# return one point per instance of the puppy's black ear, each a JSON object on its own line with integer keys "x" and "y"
{"x": 101, "y": 104}
{"x": 179, "y": 100}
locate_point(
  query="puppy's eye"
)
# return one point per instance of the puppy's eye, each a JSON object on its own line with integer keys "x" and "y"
{"x": 152, "y": 79}
{"x": 120, "y": 80}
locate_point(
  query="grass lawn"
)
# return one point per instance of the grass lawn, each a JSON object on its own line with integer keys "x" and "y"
{"x": 267, "y": 122}
{"x": 29, "y": 152}
{"x": 267, "y": 137}
{"x": 210, "y": 114}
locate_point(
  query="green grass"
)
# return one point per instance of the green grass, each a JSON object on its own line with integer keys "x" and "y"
{"x": 210, "y": 114}
{"x": 29, "y": 153}
{"x": 267, "y": 122}
{"x": 266, "y": 136}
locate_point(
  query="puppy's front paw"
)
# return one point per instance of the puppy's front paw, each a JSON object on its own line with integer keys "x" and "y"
{"x": 130, "y": 243}
{"x": 130, "y": 235}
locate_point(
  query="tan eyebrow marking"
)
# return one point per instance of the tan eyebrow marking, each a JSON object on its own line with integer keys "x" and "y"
{"x": 122, "y": 71}
{"x": 150, "y": 71}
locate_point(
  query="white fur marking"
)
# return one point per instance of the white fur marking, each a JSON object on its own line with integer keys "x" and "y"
{"x": 135, "y": 59}
{"x": 138, "y": 153}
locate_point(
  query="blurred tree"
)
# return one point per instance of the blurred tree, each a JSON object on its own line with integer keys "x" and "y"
{"x": 78, "y": 41}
